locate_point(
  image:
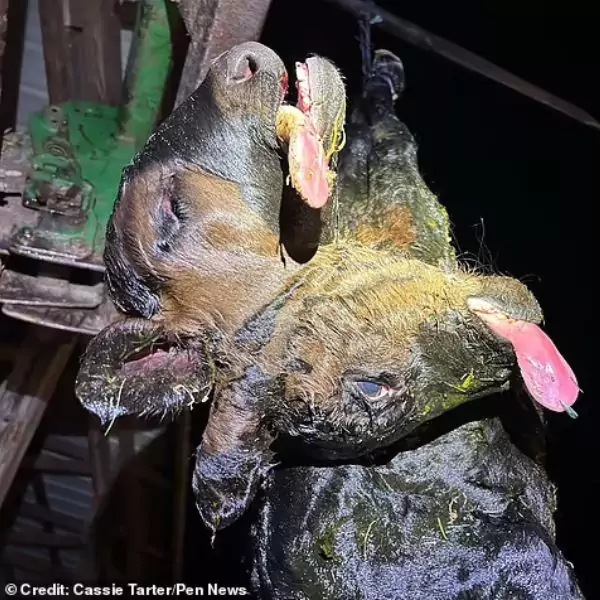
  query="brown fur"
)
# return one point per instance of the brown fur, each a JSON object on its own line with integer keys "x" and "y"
{"x": 236, "y": 229}
{"x": 226, "y": 239}
{"x": 230, "y": 423}
{"x": 135, "y": 217}
{"x": 393, "y": 228}
{"x": 361, "y": 296}
{"x": 360, "y": 305}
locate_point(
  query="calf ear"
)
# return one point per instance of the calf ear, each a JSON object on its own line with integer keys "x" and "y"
{"x": 133, "y": 367}
{"x": 234, "y": 454}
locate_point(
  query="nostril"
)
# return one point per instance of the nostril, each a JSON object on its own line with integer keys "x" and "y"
{"x": 252, "y": 65}
{"x": 244, "y": 69}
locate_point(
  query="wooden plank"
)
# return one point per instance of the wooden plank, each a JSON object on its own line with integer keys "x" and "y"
{"x": 36, "y": 512}
{"x": 41, "y": 498}
{"x": 24, "y": 396}
{"x": 32, "y": 564}
{"x": 96, "y": 563}
{"x": 56, "y": 49}
{"x": 82, "y": 50}
{"x": 57, "y": 466}
{"x": 96, "y": 28}
{"x": 134, "y": 507}
{"x": 12, "y": 60}
{"x": 67, "y": 448}
{"x": 415, "y": 35}
{"x": 3, "y": 28}
{"x": 116, "y": 457}
{"x": 65, "y": 541}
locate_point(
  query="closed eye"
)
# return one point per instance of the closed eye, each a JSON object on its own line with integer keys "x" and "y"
{"x": 372, "y": 390}
{"x": 170, "y": 216}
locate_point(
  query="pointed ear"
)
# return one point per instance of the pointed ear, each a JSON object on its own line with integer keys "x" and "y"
{"x": 133, "y": 367}
{"x": 235, "y": 452}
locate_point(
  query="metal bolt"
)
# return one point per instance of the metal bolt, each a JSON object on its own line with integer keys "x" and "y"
{"x": 26, "y": 234}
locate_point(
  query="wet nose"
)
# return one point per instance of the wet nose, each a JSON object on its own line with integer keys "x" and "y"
{"x": 246, "y": 60}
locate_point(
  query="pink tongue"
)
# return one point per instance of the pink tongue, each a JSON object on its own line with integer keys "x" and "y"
{"x": 547, "y": 376}
{"x": 308, "y": 166}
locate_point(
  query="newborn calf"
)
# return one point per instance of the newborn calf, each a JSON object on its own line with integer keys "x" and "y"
{"x": 336, "y": 355}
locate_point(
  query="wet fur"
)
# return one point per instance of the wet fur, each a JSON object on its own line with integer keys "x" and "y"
{"x": 461, "y": 508}
{"x": 279, "y": 345}
{"x": 466, "y": 515}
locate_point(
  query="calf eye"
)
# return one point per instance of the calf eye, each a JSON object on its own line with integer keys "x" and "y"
{"x": 372, "y": 390}
{"x": 170, "y": 215}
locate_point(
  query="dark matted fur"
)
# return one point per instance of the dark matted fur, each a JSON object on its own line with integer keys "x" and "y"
{"x": 354, "y": 355}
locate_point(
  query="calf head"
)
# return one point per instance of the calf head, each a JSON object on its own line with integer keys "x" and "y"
{"x": 192, "y": 197}
{"x": 335, "y": 357}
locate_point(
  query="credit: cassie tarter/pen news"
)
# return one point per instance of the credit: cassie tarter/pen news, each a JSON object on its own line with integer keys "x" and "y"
{"x": 129, "y": 589}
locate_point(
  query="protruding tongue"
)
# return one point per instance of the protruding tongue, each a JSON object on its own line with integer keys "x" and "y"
{"x": 547, "y": 376}
{"x": 296, "y": 126}
{"x": 308, "y": 166}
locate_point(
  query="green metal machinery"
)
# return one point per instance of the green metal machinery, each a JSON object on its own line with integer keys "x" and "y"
{"x": 59, "y": 181}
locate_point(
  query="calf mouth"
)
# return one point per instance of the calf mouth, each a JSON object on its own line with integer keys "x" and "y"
{"x": 548, "y": 378}
{"x": 134, "y": 357}
{"x": 311, "y": 132}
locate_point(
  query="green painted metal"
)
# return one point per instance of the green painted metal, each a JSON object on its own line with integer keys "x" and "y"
{"x": 80, "y": 149}
{"x": 147, "y": 69}
{"x": 78, "y": 157}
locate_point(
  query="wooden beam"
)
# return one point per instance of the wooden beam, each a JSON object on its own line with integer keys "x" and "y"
{"x": 182, "y": 486}
{"x": 97, "y": 26}
{"x": 24, "y": 396}
{"x": 415, "y": 35}
{"x": 82, "y": 50}
{"x": 56, "y": 50}
{"x": 35, "y": 512}
{"x": 149, "y": 476}
{"x": 101, "y": 462}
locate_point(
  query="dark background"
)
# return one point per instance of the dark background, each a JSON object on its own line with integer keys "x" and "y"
{"x": 526, "y": 172}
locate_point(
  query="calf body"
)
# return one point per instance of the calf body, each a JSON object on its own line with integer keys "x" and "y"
{"x": 323, "y": 348}
{"x": 460, "y": 508}
{"x": 464, "y": 516}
